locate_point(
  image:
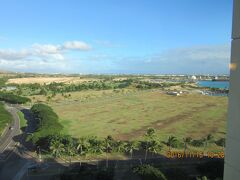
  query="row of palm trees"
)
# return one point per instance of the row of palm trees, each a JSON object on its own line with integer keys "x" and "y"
{"x": 62, "y": 145}
{"x": 173, "y": 142}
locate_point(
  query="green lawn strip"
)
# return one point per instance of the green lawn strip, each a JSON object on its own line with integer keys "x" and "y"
{"x": 23, "y": 121}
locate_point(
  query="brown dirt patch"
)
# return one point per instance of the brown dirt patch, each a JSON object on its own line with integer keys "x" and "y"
{"x": 92, "y": 114}
{"x": 114, "y": 120}
{"x": 160, "y": 124}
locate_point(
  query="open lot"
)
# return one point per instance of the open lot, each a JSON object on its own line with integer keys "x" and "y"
{"x": 127, "y": 116}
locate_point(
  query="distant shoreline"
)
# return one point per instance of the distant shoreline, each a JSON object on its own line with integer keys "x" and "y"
{"x": 218, "y": 80}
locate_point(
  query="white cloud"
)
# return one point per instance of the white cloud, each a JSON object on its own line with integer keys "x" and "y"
{"x": 76, "y": 45}
{"x": 208, "y": 59}
{"x": 48, "y": 51}
{"x": 35, "y": 66}
{"x": 9, "y": 54}
{"x": 213, "y": 52}
{"x": 198, "y": 59}
{"x": 46, "y": 48}
{"x": 40, "y": 56}
{"x": 57, "y": 56}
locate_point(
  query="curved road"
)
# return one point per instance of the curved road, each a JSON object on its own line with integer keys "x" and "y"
{"x": 14, "y": 157}
{"x": 6, "y": 141}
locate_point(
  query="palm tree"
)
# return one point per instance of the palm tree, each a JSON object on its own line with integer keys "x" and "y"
{"x": 150, "y": 134}
{"x": 171, "y": 141}
{"x": 207, "y": 140}
{"x": 221, "y": 142}
{"x": 146, "y": 145}
{"x": 186, "y": 141}
{"x": 82, "y": 146}
{"x": 107, "y": 147}
{"x": 154, "y": 146}
{"x": 70, "y": 150}
{"x": 131, "y": 146}
{"x": 120, "y": 146}
{"x": 57, "y": 148}
{"x": 96, "y": 146}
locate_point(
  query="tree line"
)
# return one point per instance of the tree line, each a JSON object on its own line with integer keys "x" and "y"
{"x": 62, "y": 145}
{"x": 3, "y": 81}
{"x": 47, "y": 123}
{"x": 14, "y": 99}
{"x": 54, "y": 88}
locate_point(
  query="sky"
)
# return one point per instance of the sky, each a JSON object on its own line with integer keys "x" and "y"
{"x": 116, "y": 36}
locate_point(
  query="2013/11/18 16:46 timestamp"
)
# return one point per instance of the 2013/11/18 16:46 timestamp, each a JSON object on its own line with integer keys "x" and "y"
{"x": 194, "y": 154}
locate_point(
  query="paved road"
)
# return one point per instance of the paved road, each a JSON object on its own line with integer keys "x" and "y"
{"x": 6, "y": 141}
{"x": 14, "y": 156}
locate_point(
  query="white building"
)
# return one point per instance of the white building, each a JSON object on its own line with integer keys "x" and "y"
{"x": 193, "y": 77}
{"x": 173, "y": 93}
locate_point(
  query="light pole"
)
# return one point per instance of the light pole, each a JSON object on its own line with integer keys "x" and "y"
{"x": 39, "y": 154}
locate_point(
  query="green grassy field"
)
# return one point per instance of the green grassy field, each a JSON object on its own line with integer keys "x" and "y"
{"x": 5, "y": 118}
{"x": 127, "y": 116}
{"x": 23, "y": 121}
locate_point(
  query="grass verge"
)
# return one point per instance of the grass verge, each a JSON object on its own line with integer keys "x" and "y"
{"x": 5, "y": 118}
{"x": 23, "y": 121}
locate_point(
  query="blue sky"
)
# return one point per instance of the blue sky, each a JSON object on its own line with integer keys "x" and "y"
{"x": 116, "y": 36}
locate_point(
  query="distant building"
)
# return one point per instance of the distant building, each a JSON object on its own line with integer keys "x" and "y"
{"x": 193, "y": 77}
{"x": 174, "y": 93}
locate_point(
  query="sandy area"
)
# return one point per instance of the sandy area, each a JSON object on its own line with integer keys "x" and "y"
{"x": 47, "y": 80}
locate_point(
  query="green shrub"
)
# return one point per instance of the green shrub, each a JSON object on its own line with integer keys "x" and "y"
{"x": 3, "y": 81}
{"x": 147, "y": 172}
{"x": 221, "y": 142}
{"x": 178, "y": 144}
{"x": 14, "y": 99}
{"x": 197, "y": 143}
{"x": 47, "y": 122}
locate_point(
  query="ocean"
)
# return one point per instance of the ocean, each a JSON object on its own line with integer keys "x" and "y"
{"x": 214, "y": 84}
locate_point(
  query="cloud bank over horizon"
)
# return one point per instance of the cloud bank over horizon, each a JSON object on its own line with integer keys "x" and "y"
{"x": 50, "y": 58}
{"x": 122, "y": 37}
{"x": 40, "y": 57}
